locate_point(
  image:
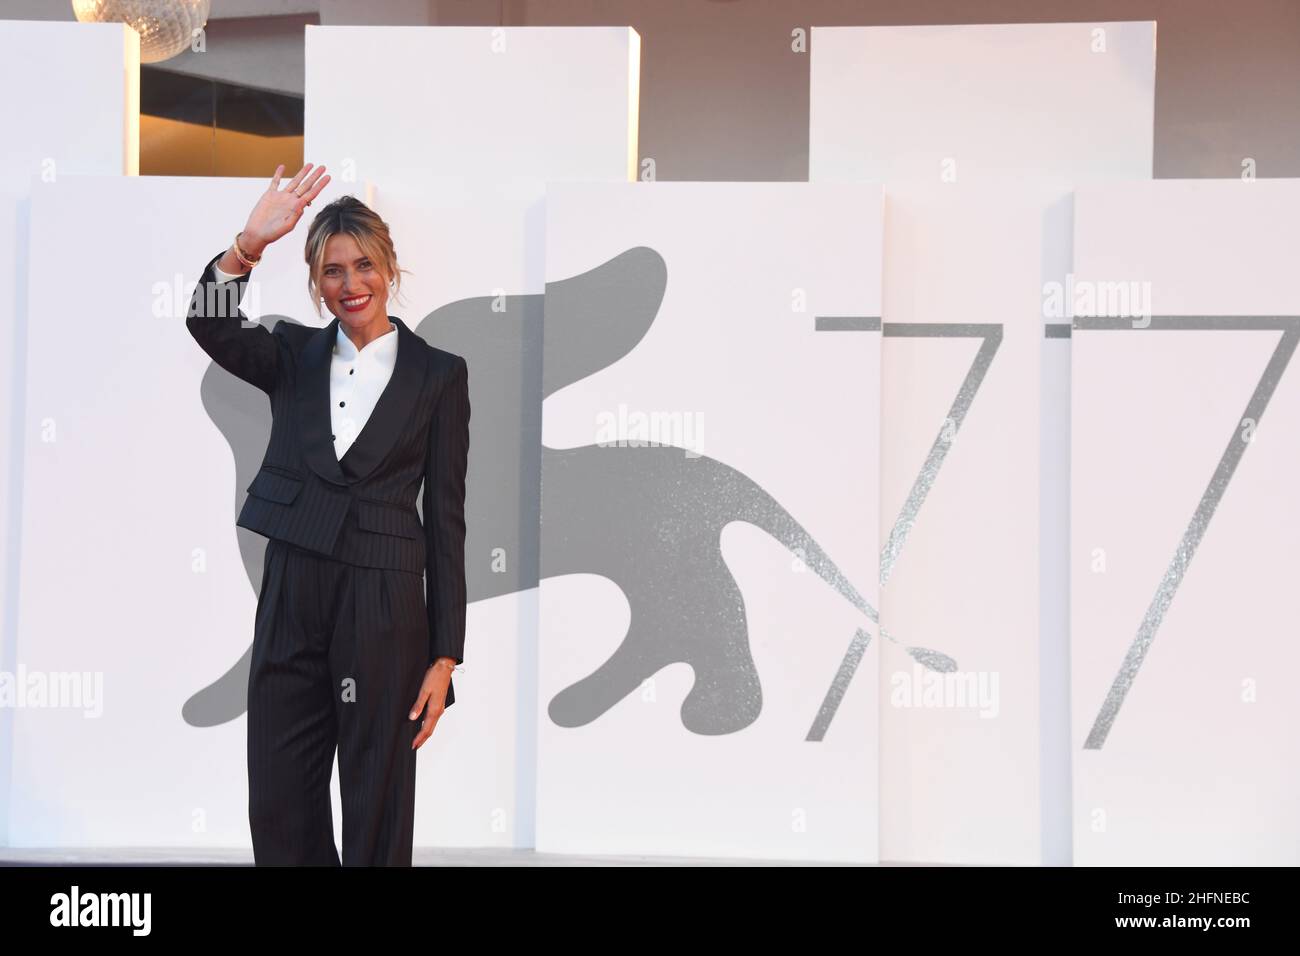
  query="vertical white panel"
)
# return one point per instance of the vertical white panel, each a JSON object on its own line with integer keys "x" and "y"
{"x": 976, "y": 131}
{"x": 473, "y": 104}
{"x": 135, "y": 582}
{"x": 85, "y": 119}
{"x": 1184, "y": 521}
{"x": 700, "y": 592}
{"x": 1073, "y": 101}
{"x": 470, "y": 125}
{"x": 960, "y": 518}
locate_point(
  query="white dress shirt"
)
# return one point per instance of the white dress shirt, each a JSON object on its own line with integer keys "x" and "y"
{"x": 357, "y": 379}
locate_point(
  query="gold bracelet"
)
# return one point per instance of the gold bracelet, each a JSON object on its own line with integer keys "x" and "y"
{"x": 239, "y": 253}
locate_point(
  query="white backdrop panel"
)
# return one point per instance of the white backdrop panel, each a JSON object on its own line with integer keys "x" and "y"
{"x": 963, "y": 351}
{"x": 943, "y": 114}
{"x": 460, "y": 163}
{"x": 692, "y": 630}
{"x": 479, "y": 104}
{"x": 973, "y": 101}
{"x": 1184, "y": 522}
{"x": 89, "y": 73}
{"x": 138, "y": 451}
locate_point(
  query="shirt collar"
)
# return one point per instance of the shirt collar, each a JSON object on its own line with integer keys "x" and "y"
{"x": 383, "y": 347}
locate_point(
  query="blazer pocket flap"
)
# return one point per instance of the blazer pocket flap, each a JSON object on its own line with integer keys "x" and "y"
{"x": 387, "y": 519}
{"x": 275, "y": 487}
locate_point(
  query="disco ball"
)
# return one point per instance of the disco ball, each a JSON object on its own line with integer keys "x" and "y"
{"x": 166, "y": 27}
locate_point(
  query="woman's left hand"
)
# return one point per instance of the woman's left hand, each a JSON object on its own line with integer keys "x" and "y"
{"x": 433, "y": 692}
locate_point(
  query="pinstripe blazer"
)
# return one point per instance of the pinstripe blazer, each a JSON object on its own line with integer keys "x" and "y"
{"x": 359, "y": 509}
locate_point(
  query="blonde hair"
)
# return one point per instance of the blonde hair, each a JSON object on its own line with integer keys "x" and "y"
{"x": 349, "y": 215}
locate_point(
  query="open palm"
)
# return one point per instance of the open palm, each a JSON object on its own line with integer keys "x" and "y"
{"x": 278, "y": 210}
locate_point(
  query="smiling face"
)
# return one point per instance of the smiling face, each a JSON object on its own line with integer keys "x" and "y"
{"x": 355, "y": 288}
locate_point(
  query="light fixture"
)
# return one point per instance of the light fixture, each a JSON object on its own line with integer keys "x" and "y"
{"x": 166, "y": 27}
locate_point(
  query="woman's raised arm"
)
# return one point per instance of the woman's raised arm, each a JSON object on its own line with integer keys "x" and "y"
{"x": 215, "y": 319}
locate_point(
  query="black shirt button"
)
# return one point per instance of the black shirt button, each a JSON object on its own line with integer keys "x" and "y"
{"x": 341, "y": 404}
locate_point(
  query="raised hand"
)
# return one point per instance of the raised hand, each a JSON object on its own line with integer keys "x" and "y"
{"x": 278, "y": 210}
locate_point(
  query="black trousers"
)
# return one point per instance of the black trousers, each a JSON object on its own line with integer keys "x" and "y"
{"x": 339, "y": 653}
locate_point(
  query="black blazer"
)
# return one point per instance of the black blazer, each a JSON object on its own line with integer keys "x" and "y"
{"x": 360, "y": 509}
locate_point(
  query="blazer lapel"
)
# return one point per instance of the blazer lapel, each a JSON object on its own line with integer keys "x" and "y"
{"x": 382, "y": 429}
{"x": 393, "y": 410}
{"x": 312, "y": 404}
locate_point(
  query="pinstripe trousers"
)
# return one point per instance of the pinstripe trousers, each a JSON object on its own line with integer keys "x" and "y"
{"x": 339, "y": 653}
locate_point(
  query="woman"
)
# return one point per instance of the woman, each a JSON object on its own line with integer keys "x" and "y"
{"x": 361, "y": 613}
